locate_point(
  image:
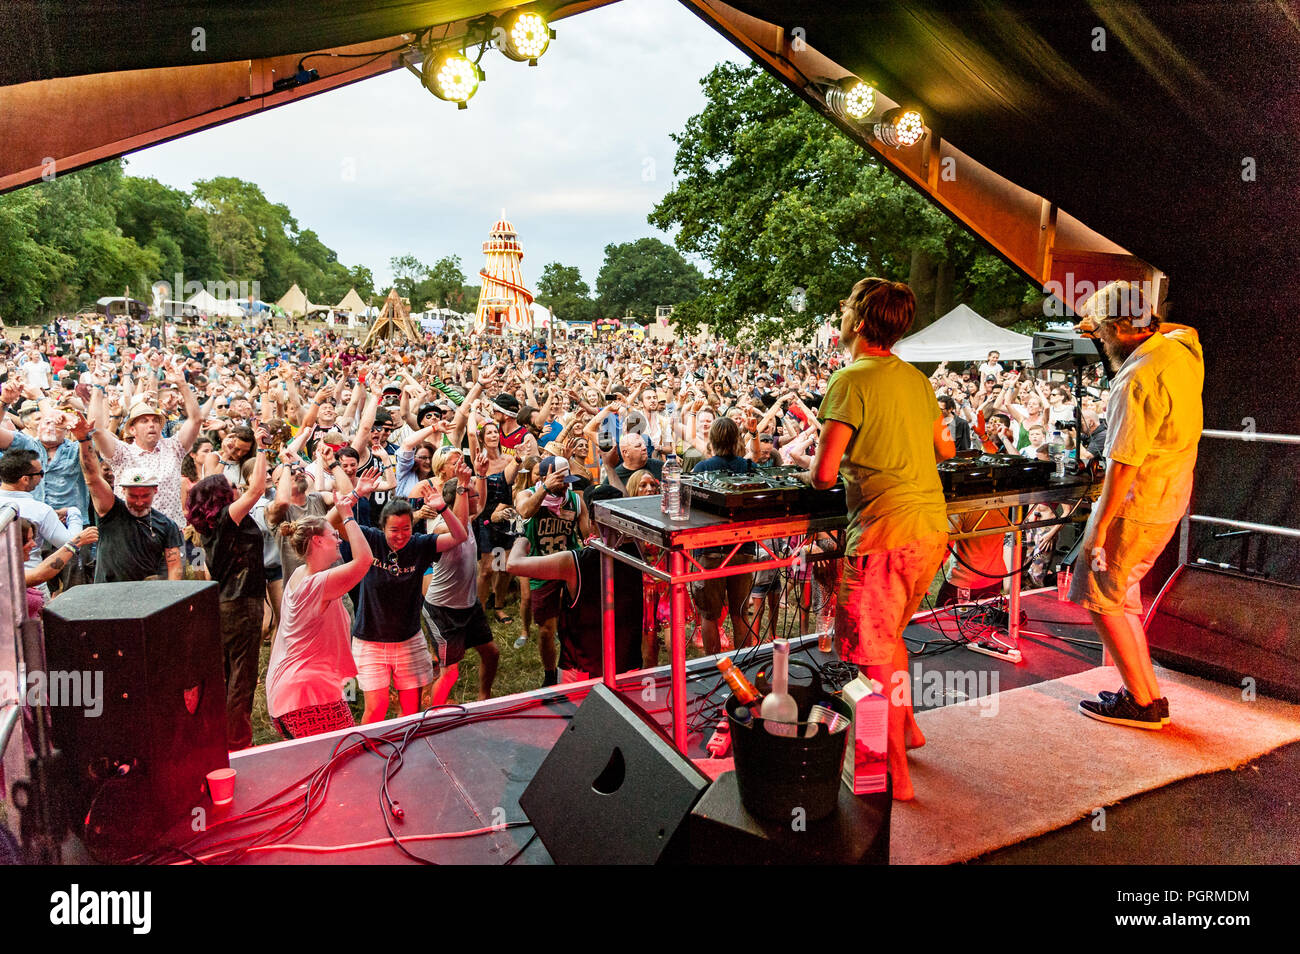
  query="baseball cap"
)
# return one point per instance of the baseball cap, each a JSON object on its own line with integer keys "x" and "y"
{"x": 135, "y": 477}
{"x": 557, "y": 464}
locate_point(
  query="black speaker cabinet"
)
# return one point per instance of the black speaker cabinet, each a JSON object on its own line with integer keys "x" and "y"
{"x": 139, "y": 764}
{"x": 613, "y": 790}
{"x": 1228, "y": 627}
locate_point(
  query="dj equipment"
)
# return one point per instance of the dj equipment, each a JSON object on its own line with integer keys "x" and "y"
{"x": 770, "y": 492}
{"x": 993, "y": 473}
{"x": 1054, "y": 349}
{"x": 1228, "y": 628}
{"x": 613, "y": 790}
{"x": 150, "y": 655}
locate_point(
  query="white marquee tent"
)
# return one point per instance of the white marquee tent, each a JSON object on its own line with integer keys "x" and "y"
{"x": 207, "y": 304}
{"x": 962, "y": 335}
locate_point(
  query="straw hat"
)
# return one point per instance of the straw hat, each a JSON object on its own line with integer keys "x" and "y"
{"x": 142, "y": 408}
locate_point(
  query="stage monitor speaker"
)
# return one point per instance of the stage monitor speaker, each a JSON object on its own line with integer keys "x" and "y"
{"x": 1057, "y": 349}
{"x": 139, "y": 765}
{"x": 613, "y": 790}
{"x": 1228, "y": 627}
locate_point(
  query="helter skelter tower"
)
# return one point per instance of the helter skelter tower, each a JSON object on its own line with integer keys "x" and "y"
{"x": 504, "y": 304}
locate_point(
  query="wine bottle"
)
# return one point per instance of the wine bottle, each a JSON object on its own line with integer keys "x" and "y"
{"x": 778, "y": 705}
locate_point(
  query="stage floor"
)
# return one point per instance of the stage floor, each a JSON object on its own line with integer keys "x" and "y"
{"x": 470, "y": 777}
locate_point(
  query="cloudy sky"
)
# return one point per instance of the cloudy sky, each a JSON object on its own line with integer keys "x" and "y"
{"x": 576, "y": 150}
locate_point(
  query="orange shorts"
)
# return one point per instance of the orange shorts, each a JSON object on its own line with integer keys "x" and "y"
{"x": 879, "y": 592}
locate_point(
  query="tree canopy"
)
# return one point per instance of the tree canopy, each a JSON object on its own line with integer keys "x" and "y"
{"x": 789, "y": 213}
{"x": 96, "y": 232}
{"x": 562, "y": 289}
{"x": 638, "y": 276}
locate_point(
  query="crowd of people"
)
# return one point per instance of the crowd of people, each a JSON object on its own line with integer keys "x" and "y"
{"x": 249, "y": 454}
{"x": 371, "y": 512}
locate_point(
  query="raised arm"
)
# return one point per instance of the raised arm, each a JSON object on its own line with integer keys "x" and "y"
{"x": 256, "y": 483}
{"x": 529, "y": 500}
{"x": 340, "y": 579}
{"x": 101, "y": 495}
{"x": 189, "y": 431}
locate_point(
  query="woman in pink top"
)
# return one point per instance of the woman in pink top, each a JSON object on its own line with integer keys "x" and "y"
{"x": 312, "y": 656}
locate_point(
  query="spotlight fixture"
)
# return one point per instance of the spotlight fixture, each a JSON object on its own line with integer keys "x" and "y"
{"x": 451, "y": 76}
{"x": 522, "y": 35}
{"x": 851, "y": 99}
{"x": 900, "y": 127}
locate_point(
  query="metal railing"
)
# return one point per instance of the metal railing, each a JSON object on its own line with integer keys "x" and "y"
{"x": 1185, "y": 526}
{"x": 13, "y": 610}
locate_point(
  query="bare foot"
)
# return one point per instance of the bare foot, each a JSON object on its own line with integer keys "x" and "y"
{"x": 903, "y": 792}
{"x": 913, "y": 738}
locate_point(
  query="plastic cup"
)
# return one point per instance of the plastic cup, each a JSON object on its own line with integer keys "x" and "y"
{"x": 221, "y": 786}
{"x": 1063, "y": 583}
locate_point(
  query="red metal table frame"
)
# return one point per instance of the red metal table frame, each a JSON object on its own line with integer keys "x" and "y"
{"x": 640, "y": 519}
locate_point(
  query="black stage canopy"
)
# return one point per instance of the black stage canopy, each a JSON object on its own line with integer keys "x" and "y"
{"x": 1170, "y": 128}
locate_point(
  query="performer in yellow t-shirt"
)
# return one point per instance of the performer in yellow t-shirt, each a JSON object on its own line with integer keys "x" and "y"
{"x": 882, "y": 430}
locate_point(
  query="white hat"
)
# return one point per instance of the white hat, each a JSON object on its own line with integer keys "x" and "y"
{"x": 136, "y": 477}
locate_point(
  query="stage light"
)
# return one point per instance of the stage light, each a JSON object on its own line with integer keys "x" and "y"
{"x": 851, "y": 99}
{"x": 451, "y": 76}
{"x": 900, "y": 127}
{"x": 522, "y": 35}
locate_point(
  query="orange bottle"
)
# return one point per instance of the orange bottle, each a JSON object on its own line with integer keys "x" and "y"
{"x": 742, "y": 687}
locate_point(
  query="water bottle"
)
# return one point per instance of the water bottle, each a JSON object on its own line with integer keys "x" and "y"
{"x": 671, "y": 499}
{"x": 1058, "y": 453}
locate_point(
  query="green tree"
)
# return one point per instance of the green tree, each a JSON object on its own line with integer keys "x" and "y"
{"x": 159, "y": 217}
{"x": 79, "y": 219}
{"x": 29, "y": 271}
{"x": 255, "y": 238}
{"x": 465, "y": 300}
{"x": 91, "y": 233}
{"x": 360, "y": 278}
{"x": 408, "y": 272}
{"x": 789, "y": 213}
{"x": 562, "y": 289}
{"x": 441, "y": 282}
{"x": 636, "y": 277}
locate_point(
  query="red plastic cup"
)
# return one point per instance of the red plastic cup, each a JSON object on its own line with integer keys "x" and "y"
{"x": 221, "y": 786}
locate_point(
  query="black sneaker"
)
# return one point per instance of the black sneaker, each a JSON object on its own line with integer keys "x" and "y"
{"x": 1122, "y": 710}
{"x": 1162, "y": 702}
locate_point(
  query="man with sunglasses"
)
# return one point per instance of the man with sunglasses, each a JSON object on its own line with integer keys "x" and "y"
{"x": 20, "y": 474}
{"x": 1153, "y": 431}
